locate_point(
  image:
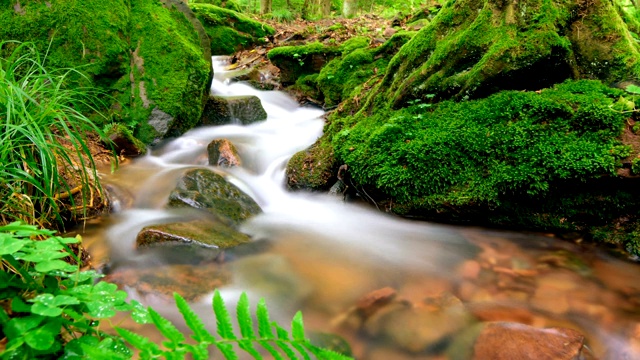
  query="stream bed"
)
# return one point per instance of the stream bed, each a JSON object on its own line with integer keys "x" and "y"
{"x": 393, "y": 288}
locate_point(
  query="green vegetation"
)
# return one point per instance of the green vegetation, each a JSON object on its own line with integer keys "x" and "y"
{"x": 52, "y": 309}
{"x": 44, "y": 157}
{"x": 177, "y": 346}
{"x": 230, "y": 31}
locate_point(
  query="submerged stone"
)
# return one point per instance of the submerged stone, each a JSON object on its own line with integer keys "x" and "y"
{"x": 206, "y": 190}
{"x": 243, "y": 109}
{"x": 207, "y": 233}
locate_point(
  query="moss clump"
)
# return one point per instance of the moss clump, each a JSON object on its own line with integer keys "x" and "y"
{"x": 143, "y": 54}
{"x": 297, "y": 61}
{"x": 225, "y": 4}
{"x": 230, "y": 31}
{"x": 473, "y": 48}
{"x": 515, "y": 158}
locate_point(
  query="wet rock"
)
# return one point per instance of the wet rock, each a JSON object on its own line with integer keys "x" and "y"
{"x": 204, "y": 189}
{"x": 119, "y": 198}
{"x": 207, "y": 233}
{"x": 161, "y": 122}
{"x": 508, "y": 341}
{"x": 223, "y": 153}
{"x": 273, "y": 277}
{"x": 124, "y": 142}
{"x": 553, "y": 291}
{"x": 420, "y": 327}
{"x": 221, "y": 110}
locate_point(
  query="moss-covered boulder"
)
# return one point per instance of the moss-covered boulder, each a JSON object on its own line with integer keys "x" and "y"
{"x": 546, "y": 160}
{"x": 207, "y": 233}
{"x": 206, "y": 190}
{"x": 145, "y": 54}
{"x": 230, "y": 31}
{"x": 123, "y": 141}
{"x": 312, "y": 169}
{"x": 473, "y": 48}
{"x": 242, "y": 109}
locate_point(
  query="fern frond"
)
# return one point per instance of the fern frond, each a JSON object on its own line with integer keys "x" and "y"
{"x": 301, "y": 350}
{"x": 167, "y": 329}
{"x": 297, "y": 327}
{"x": 223, "y": 320}
{"x": 247, "y": 346}
{"x": 193, "y": 321}
{"x": 140, "y": 342}
{"x": 244, "y": 317}
{"x": 264, "y": 323}
{"x": 284, "y": 346}
{"x": 227, "y": 350}
{"x": 267, "y": 346}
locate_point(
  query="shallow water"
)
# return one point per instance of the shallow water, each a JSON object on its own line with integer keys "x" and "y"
{"x": 320, "y": 255}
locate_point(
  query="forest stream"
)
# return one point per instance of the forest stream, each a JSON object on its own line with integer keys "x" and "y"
{"x": 392, "y": 288}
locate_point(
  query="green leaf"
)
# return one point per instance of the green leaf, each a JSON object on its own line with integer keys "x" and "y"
{"x": 192, "y": 320}
{"x": 264, "y": 323}
{"x": 274, "y": 353}
{"x": 199, "y": 352}
{"x": 244, "y": 317}
{"x": 43, "y": 337}
{"x": 284, "y": 346}
{"x": 17, "y": 305}
{"x": 223, "y": 320}
{"x": 45, "y": 310}
{"x": 50, "y": 265}
{"x": 138, "y": 341}
{"x": 139, "y": 313}
{"x": 227, "y": 350}
{"x": 10, "y": 245}
{"x": 247, "y": 345}
{"x": 99, "y": 309}
{"x": 166, "y": 328}
{"x": 17, "y": 327}
{"x": 282, "y": 333}
{"x": 633, "y": 89}
{"x": 301, "y": 350}
{"x": 297, "y": 327}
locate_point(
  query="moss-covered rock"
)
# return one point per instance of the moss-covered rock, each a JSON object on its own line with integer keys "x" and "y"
{"x": 206, "y": 233}
{"x": 297, "y": 61}
{"x": 230, "y": 31}
{"x": 123, "y": 141}
{"x": 243, "y": 109}
{"x": 226, "y": 4}
{"x": 543, "y": 160}
{"x": 206, "y": 190}
{"x": 145, "y": 54}
{"x": 312, "y": 169}
{"x": 473, "y": 48}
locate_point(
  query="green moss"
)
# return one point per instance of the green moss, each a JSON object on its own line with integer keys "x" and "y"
{"x": 473, "y": 48}
{"x": 312, "y": 169}
{"x": 354, "y": 43}
{"x": 230, "y": 31}
{"x": 141, "y": 53}
{"x": 297, "y": 61}
{"x": 226, "y": 4}
{"x": 543, "y": 160}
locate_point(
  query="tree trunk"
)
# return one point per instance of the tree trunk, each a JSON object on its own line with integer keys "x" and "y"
{"x": 265, "y": 6}
{"x": 349, "y": 8}
{"x": 326, "y": 7}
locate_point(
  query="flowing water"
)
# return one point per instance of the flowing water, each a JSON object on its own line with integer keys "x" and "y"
{"x": 320, "y": 255}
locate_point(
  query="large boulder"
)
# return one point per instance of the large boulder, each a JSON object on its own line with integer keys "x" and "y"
{"x": 207, "y": 233}
{"x": 146, "y": 55}
{"x": 206, "y": 190}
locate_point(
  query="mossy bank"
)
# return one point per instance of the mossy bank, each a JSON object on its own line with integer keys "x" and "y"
{"x": 146, "y": 55}
{"x": 496, "y": 113}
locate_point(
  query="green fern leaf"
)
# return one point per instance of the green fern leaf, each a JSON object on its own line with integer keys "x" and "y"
{"x": 227, "y": 350}
{"x": 244, "y": 317}
{"x": 198, "y": 352}
{"x": 167, "y": 329}
{"x": 247, "y": 345}
{"x": 324, "y": 354}
{"x": 297, "y": 327}
{"x": 223, "y": 320}
{"x": 264, "y": 323}
{"x": 139, "y": 342}
{"x": 282, "y": 333}
{"x": 301, "y": 350}
{"x": 200, "y": 333}
{"x": 284, "y": 346}
{"x": 274, "y": 353}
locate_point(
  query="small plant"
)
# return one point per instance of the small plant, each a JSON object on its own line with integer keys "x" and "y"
{"x": 279, "y": 345}
{"x": 49, "y": 308}
{"x": 44, "y": 157}
{"x": 282, "y": 15}
{"x": 299, "y": 58}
